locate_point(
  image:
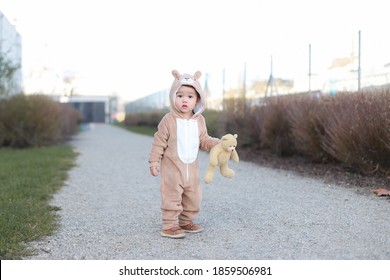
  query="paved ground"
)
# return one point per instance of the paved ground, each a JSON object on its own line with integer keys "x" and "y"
{"x": 110, "y": 210}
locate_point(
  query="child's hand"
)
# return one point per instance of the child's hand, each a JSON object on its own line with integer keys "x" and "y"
{"x": 154, "y": 170}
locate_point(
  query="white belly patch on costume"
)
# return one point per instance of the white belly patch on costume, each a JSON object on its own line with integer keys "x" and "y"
{"x": 187, "y": 140}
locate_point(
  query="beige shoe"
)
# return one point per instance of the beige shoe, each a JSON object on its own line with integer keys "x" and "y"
{"x": 175, "y": 232}
{"x": 192, "y": 228}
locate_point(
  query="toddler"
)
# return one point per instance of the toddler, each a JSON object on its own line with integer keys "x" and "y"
{"x": 174, "y": 154}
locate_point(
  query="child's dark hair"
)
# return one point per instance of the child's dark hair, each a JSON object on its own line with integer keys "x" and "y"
{"x": 197, "y": 93}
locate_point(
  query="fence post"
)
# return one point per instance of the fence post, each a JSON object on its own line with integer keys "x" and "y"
{"x": 359, "y": 61}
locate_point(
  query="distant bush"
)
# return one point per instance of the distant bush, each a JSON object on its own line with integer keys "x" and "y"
{"x": 35, "y": 120}
{"x": 307, "y": 116}
{"x": 276, "y": 126}
{"x": 238, "y": 118}
{"x": 358, "y": 130}
{"x": 212, "y": 122}
{"x": 144, "y": 118}
{"x": 349, "y": 128}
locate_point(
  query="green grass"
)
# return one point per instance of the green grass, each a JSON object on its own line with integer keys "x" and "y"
{"x": 28, "y": 180}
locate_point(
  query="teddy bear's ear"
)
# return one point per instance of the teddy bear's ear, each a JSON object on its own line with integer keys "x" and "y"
{"x": 235, "y": 136}
{"x": 197, "y": 75}
{"x": 176, "y": 74}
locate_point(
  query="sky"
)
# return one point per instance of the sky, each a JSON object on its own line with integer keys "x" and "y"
{"x": 129, "y": 48}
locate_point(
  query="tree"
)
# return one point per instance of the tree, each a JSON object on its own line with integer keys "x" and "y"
{"x": 7, "y": 71}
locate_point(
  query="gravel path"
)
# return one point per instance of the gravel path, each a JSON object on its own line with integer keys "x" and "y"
{"x": 110, "y": 210}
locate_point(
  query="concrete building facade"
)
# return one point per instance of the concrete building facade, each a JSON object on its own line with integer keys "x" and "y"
{"x": 94, "y": 109}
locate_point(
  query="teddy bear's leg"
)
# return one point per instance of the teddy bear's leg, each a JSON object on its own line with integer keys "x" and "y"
{"x": 209, "y": 174}
{"x": 226, "y": 171}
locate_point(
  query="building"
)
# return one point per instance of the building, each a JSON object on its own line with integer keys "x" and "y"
{"x": 342, "y": 76}
{"x": 94, "y": 109}
{"x": 155, "y": 101}
{"x": 11, "y": 51}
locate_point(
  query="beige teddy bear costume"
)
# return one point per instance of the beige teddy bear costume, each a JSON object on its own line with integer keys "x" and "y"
{"x": 175, "y": 146}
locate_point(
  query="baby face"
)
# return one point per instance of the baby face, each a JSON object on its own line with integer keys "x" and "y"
{"x": 186, "y": 100}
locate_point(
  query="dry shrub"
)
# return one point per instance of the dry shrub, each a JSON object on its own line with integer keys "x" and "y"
{"x": 307, "y": 116}
{"x": 70, "y": 119}
{"x": 259, "y": 127}
{"x": 213, "y": 124}
{"x": 35, "y": 120}
{"x": 151, "y": 119}
{"x": 132, "y": 119}
{"x": 3, "y": 106}
{"x": 254, "y": 126}
{"x": 357, "y": 131}
{"x": 235, "y": 111}
{"x": 276, "y": 127}
{"x": 236, "y": 119}
{"x": 15, "y": 122}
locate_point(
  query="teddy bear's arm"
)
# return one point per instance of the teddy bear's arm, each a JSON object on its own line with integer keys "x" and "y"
{"x": 234, "y": 156}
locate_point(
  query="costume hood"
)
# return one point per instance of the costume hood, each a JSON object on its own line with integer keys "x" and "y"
{"x": 188, "y": 80}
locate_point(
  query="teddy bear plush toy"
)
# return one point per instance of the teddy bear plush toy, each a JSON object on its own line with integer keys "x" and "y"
{"x": 220, "y": 155}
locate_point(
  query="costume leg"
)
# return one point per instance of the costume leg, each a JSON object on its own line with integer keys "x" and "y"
{"x": 191, "y": 201}
{"x": 171, "y": 194}
{"x": 171, "y": 205}
{"x": 192, "y": 197}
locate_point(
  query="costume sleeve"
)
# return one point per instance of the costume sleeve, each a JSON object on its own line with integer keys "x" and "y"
{"x": 160, "y": 143}
{"x": 206, "y": 141}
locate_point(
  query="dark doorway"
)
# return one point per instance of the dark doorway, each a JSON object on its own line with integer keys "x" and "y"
{"x": 91, "y": 111}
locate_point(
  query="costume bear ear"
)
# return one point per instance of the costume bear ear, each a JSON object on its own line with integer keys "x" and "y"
{"x": 176, "y": 74}
{"x": 197, "y": 75}
{"x": 235, "y": 136}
